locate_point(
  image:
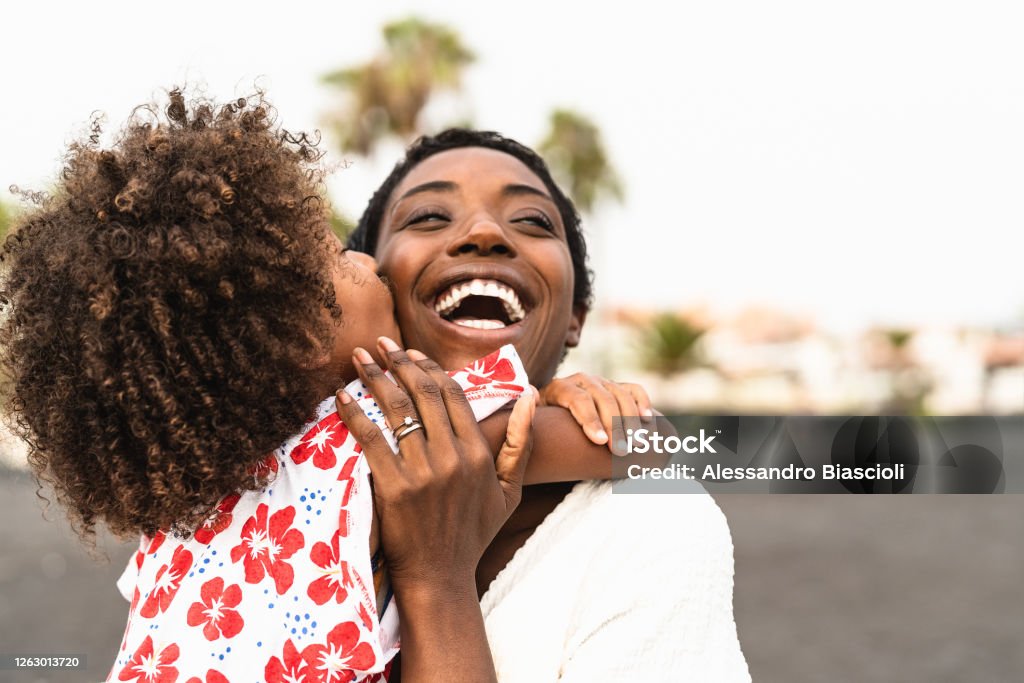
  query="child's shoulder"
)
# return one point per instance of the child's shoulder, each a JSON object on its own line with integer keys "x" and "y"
{"x": 320, "y": 442}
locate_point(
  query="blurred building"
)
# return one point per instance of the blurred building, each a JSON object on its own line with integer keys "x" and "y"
{"x": 771, "y": 361}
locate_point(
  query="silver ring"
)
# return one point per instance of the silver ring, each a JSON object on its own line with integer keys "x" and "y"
{"x": 406, "y": 431}
{"x": 409, "y": 425}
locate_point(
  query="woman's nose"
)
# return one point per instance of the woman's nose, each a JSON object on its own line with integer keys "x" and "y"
{"x": 364, "y": 260}
{"x": 484, "y": 237}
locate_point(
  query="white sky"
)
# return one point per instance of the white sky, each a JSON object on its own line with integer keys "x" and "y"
{"x": 861, "y": 162}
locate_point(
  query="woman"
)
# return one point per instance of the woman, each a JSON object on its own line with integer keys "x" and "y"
{"x": 482, "y": 248}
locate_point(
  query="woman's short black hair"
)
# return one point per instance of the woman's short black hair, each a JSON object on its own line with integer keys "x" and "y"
{"x": 364, "y": 238}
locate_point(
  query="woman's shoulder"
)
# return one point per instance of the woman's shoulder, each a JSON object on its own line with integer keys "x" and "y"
{"x": 646, "y": 539}
{"x": 686, "y": 514}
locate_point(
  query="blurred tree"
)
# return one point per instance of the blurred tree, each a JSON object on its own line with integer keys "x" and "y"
{"x": 6, "y": 219}
{"x": 669, "y": 344}
{"x": 898, "y": 338}
{"x": 341, "y": 224}
{"x": 385, "y": 96}
{"x": 576, "y": 155}
{"x": 909, "y": 383}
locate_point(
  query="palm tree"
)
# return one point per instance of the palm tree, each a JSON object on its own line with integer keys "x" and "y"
{"x": 669, "y": 344}
{"x": 576, "y": 155}
{"x": 386, "y": 95}
{"x": 909, "y": 383}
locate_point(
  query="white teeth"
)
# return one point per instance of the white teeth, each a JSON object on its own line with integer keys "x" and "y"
{"x": 449, "y": 300}
{"x": 480, "y": 324}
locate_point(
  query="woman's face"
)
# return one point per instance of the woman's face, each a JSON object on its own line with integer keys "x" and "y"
{"x": 367, "y": 309}
{"x": 476, "y": 253}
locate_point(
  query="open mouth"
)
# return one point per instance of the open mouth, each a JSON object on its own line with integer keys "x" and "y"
{"x": 481, "y": 304}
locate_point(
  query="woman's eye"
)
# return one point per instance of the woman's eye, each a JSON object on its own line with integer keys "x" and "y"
{"x": 426, "y": 216}
{"x": 538, "y": 219}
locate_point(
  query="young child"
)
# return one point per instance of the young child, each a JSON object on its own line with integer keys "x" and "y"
{"x": 174, "y": 314}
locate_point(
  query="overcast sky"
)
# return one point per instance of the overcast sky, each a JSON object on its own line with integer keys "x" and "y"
{"x": 859, "y": 162}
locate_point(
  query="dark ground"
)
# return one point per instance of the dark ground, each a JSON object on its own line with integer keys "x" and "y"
{"x": 828, "y": 588}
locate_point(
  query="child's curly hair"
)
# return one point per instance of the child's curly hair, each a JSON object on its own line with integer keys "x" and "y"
{"x": 160, "y": 312}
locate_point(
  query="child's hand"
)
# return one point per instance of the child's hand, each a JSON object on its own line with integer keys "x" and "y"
{"x": 594, "y": 401}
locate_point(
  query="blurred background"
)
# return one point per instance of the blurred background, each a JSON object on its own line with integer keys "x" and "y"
{"x": 792, "y": 207}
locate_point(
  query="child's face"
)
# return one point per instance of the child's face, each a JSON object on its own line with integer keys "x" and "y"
{"x": 367, "y": 309}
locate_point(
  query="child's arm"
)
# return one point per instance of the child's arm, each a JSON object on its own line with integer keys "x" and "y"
{"x": 594, "y": 401}
{"x": 561, "y": 449}
{"x": 562, "y": 452}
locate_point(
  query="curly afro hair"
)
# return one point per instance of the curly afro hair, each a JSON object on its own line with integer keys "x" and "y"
{"x": 367, "y": 233}
{"x": 160, "y": 311}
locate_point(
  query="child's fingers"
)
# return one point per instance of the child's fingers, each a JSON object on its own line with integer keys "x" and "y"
{"x": 510, "y": 464}
{"x": 584, "y": 409}
{"x": 576, "y": 394}
{"x": 381, "y": 458}
{"x": 601, "y": 400}
{"x": 643, "y": 401}
{"x": 628, "y": 414}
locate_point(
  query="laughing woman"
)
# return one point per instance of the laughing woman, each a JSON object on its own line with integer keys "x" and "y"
{"x": 483, "y": 249}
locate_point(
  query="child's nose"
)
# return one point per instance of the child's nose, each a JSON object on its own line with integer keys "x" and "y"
{"x": 365, "y": 260}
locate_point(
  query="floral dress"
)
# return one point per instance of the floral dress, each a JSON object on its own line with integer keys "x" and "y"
{"x": 278, "y": 586}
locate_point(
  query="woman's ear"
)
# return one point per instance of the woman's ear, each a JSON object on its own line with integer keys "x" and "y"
{"x": 572, "y": 336}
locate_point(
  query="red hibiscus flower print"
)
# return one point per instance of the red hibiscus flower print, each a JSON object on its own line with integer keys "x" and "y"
{"x": 212, "y": 676}
{"x": 267, "y": 466}
{"x": 491, "y": 368}
{"x": 149, "y": 666}
{"x": 216, "y": 612}
{"x": 266, "y": 544}
{"x": 345, "y": 474}
{"x": 320, "y": 442}
{"x": 364, "y": 616}
{"x": 348, "y": 484}
{"x": 342, "y": 656}
{"x": 131, "y": 614}
{"x": 165, "y": 585}
{"x": 291, "y": 668}
{"x": 219, "y": 521}
{"x": 154, "y": 545}
{"x": 335, "y": 579}
{"x": 498, "y": 388}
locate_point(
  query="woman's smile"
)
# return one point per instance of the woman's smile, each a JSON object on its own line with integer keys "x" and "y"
{"x": 477, "y": 256}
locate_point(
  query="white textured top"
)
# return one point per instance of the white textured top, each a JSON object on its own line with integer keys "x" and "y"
{"x": 623, "y": 587}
